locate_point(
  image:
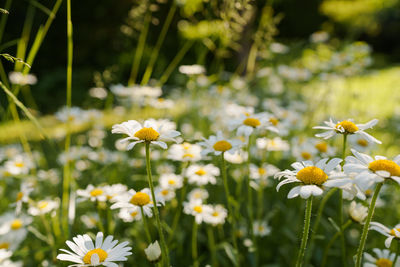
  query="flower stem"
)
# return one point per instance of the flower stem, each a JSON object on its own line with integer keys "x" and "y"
{"x": 249, "y": 191}
{"x": 146, "y": 225}
{"x": 306, "y": 229}
{"x": 194, "y": 245}
{"x": 364, "y": 234}
{"x": 164, "y": 247}
{"x": 229, "y": 204}
{"x": 342, "y": 239}
{"x": 332, "y": 241}
{"x": 397, "y": 253}
{"x": 211, "y": 245}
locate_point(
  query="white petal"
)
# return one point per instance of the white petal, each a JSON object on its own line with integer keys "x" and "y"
{"x": 294, "y": 192}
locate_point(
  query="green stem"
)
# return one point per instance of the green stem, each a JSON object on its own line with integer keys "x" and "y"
{"x": 194, "y": 245}
{"x": 229, "y": 205}
{"x": 178, "y": 212}
{"x": 364, "y": 234}
{"x": 342, "y": 237}
{"x": 164, "y": 247}
{"x": 160, "y": 40}
{"x": 306, "y": 229}
{"x": 211, "y": 245}
{"x": 99, "y": 211}
{"x": 397, "y": 253}
{"x": 146, "y": 225}
{"x": 249, "y": 190}
{"x": 332, "y": 241}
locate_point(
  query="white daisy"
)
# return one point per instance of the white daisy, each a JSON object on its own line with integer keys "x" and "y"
{"x": 197, "y": 209}
{"x": 216, "y": 215}
{"x": 5, "y": 259}
{"x": 246, "y": 124}
{"x": 312, "y": 177}
{"x": 19, "y": 165}
{"x": 130, "y": 214}
{"x": 202, "y": 174}
{"x": 111, "y": 191}
{"x": 23, "y": 195}
{"x": 92, "y": 193}
{"x": 261, "y": 228}
{"x": 217, "y": 144}
{"x": 149, "y": 132}
{"x": 198, "y": 193}
{"x": 153, "y": 252}
{"x": 171, "y": 181}
{"x": 14, "y": 228}
{"x": 347, "y": 127}
{"x": 384, "y": 258}
{"x": 358, "y": 212}
{"x": 164, "y": 193}
{"x": 103, "y": 252}
{"x": 275, "y": 144}
{"x": 22, "y": 79}
{"x": 389, "y": 233}
{"x": 43, "y": 206}
{"x": 192, "y": 69}
{"x": 370, "y": 170}
{"x": 142, "y": 199}
{"x": 185, "y": 152}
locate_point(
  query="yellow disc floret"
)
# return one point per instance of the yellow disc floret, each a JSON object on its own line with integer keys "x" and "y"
{"x": 362, "y": 142}
{"x": 393, "y": 232}
{"x": 16, "y": 224}
{"x": 43, "y": 204}
{"x": 322, "y": 147}
{"x": 147, "y": 134}
{"x": 252, "y": 122}
{"x": 385, "y": 165}
{"x": 96, "y": 192}
{"x": 198, "y": 209}
{"x": 4, "y": 245}
{"x": 215, "y": 214}
{"x": 312, "y": 175}
{"x": 222, "y": 146}
{"x": 274, "y": 121}
{"x": 140, "y": 199}
{"x": 200, "y": 172}
{"x": 20, "y": 195}
{"x": 382, "y": 262}
{"x": 101, "y": 253}
{"x": 306, "y": 155}
{"x": 348, "y": 126}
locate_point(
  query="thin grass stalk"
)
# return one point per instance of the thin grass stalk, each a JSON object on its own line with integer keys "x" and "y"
{"x": 342, "y": 238}
{"x": 211, "y": 246}
{"x": 146, "y": 225}
{"x": 194, "y": 245}
{"x": 306, "y": 230}
{"x": 3, "y": 20}
{"x": 160, "y": 40}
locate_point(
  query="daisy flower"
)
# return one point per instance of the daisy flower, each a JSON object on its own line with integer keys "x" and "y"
{"x": 198, "y": 193}
{"x": 133, "y": 199}
{"x": 185, "y": 152}
{"x": 111, "y": 191}
{"x": 165, "y": 193}
{"x": 153, "y": 252}
{"x": 19, "y": 165}
{"x": 101, "y": 253}
{"x": 389, "y": 233}
{"x": 275, "y": 144}
{"x": 43, "y": 207}
{"x": 347, "y": 127}
{"x": 217, "y": 144}
{"x": 216, "y": 215}
{"x": 246, "y": 124}
{"x": 261, "y": 228}
{"x": 370, "y": 169}
{"x": 23, "y": 195}
{"x": 150, "y": 132}
{"x": 384, "y": 258}
{"x": 14, "y": 227}
{"x": 312, "y": 177}
{"x": 358, "y": 212}
{"x": 197, "y": 209}
{"x": 192, "y": 69}
{"x": 130, "y": 214}
{"x": 202, "y": 174}
{"x": 5, "y": 259}
{"x": 92, "y": 193}
{"x": 22, "y": 79}
{"x": 171, "y": 181}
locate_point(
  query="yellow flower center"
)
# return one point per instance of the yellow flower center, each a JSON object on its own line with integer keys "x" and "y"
{"x": 385, "y": 165}
{"x": 147, "y": 134}
{"x": 392, "y": 232}
{"x": 20, "y": 195}
{"x": 252, "y": 122}
{"x": 16, "y": 224}
{"x": 186, "y": 146}
{"x": 382, "y": 262}
{"x": 198, "y": 209}
{"x": 222, "y": 146}
{"x": 274, "y": 121}
{"x": 261, "y": 171}
{"x": 200, "y": 172}
{"x": 312, "y": 175}
{"x": 4, "y": 245}
{"x": 188, "y": 155}
{"x": 215, "y": 214}
{"x": 261, "y": 228}
{"x": 96, "y": 192}
{"x": 362, "y": 142}
{"x": 164, "y": 192}
{"x": 306, "y": 155}
{"x": 322, "y": 147}
{"x": 140, "y": 199}
{"x": 101, "y": 253}
{"x": 133, "y": 214}
{"x": 348, "y": 126}
{"x": 19, "y": 164}
{"x": 171, "y": 182}
{"x": 43, "y": 204}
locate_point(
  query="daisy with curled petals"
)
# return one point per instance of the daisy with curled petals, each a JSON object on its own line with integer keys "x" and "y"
{"x": 141, "y": 199}
{"x": 151, "y": 132}
{"x": 389, "y": 233}
{"x": 218, "y": 144}
{"x": 347, "y": 127}
{"x": 373, "y": 169}
{"x": 246, "y": 124}
{"x": 384, "y": 258}
{"x": 312, "y": 177}
{"x": 101, "y": 253}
